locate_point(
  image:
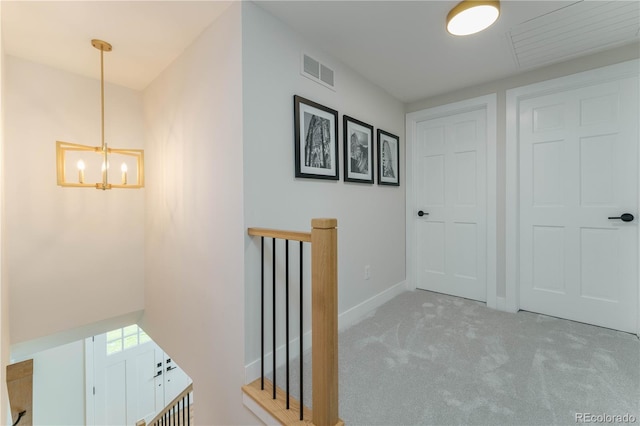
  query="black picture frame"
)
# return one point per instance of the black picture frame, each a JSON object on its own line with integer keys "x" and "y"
{"x": 358, "y": 150}
{"x": 388, "y": 159}
{"x": 316, "y": 140}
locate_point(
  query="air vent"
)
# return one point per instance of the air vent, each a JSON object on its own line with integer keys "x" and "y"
{"x": 326, "y": 75}
{"x": 311, "y": 66}
{"x": 318, "y": 72}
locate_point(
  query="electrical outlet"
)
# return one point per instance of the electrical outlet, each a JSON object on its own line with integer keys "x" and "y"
{"x": 367, "y": 272}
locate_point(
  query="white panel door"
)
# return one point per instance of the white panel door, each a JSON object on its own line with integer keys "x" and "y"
{"x": 133, "y": 378}
{"x": 578, "y": 167}
{"x": 451, "y": 184}
{"x": 127, "y": 383}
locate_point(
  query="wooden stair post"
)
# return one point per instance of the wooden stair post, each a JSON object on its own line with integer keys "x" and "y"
{"x": 324, "y": 321}
{"x": 20, "y": 390}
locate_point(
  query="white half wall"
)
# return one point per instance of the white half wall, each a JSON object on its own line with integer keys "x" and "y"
{"x": 58, "y": 385}
{"x": 74, "y": 256}
{"x": 371, "y": 220}
{"x": 194, "y": 228}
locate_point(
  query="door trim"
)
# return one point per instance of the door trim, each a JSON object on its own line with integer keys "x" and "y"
{"x": 512, "y": 218}
{"x": 487, "y": 103}
{"x": 89, "y": 382}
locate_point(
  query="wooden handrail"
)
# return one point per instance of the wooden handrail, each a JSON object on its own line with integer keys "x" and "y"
{"x": 324, "y": 326}
{"x": 20, "y": 390}
{"x": 169, "y": 406}
{"x": 284, "y": 235}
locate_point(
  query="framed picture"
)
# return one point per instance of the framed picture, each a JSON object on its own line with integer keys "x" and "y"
{"x": 316, "y": 140}
{"x": 358, "y": 150}
{"x": 388, "y": 159}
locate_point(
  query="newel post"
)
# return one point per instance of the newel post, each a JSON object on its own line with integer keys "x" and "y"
{"x": 324, "y": 320}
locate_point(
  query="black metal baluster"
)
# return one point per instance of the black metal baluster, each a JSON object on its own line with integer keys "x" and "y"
{"x": 274, "y": 317}
{"x": 286, "y": 287}
{"x": 188, "y": 409}
{"x": 301, "y": 337}
{"x": 262, "y": 313}
{"x": 183, "y": 410}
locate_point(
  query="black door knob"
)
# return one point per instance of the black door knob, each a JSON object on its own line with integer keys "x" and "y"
{"x": 625, "y": 217}
{"x": 421, "y": 213}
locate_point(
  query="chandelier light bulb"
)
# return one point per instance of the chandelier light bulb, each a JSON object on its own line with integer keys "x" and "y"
{"x": 123, "y": 168}
{"x": 80, "y": 171}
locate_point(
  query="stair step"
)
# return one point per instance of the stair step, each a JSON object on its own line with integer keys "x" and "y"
{"x": 277, "y": 407}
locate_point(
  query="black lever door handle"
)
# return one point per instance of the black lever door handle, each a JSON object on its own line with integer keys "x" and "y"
{"x": 421, "y": 213}
{"x": 171, "y": 368}
{"x": 625, "y": 217}
{"x": 159, "y": 374}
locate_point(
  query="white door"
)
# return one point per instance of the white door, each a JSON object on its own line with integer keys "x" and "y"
{"x": 133, "y": 378}
{"x": 451, "y": 200}
{"x": 579, "y": 167}
{"x": 127, "y": 385}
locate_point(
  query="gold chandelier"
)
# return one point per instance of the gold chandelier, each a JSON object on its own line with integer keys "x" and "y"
{"x": 75, "y": 160}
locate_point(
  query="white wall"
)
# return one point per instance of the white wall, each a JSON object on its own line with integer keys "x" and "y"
{"x": 74, "y": 256}
{"x": 371, "y": 220}
{"x": 58, "y": 385}
{"x": 500, "y": 87}
{"x": 194, "y": 293}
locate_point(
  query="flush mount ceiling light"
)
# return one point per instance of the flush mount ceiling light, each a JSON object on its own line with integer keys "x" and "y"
{"x": 472, "y": 16}
{"x": 74, "y": 160}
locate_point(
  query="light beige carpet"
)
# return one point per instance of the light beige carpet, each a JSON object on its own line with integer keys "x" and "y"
{"x": 430, "y": 359}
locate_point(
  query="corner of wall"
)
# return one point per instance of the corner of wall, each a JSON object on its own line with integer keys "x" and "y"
{"x": 194, "y": 244}
{"x": 4, "y": 292}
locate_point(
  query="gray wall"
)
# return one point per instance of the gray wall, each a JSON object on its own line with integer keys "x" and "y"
{"x": 371, "y": 223}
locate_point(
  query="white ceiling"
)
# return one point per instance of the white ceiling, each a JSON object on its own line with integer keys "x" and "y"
{"x": 401, "y": 46}
{"x": 146, "y": 35}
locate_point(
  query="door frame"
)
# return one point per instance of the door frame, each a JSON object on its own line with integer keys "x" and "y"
{"x": 512, "y": 218}
{"x": 89, "y": 403}
{"x": 489, "y": 104}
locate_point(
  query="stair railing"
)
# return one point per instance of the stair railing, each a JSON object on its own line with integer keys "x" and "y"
{"x": 324, "y": 328}
{"x": 176, "y": 413}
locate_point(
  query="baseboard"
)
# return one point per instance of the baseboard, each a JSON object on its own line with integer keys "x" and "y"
{"x": 359, "y": 312}
{"x": 346, "y": 319}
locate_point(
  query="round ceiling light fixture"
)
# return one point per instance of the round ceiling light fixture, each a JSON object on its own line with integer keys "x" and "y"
{"x": 472, "y": 16}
